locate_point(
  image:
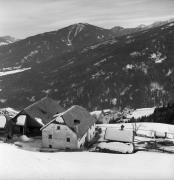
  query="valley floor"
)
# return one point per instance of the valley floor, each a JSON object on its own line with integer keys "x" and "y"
{"x": 19, "y": 164}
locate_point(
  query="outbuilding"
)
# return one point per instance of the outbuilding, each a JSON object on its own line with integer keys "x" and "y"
{"x": 32, "y": 118}
{"x": 119, "y": 135}
{"x": 69, "y": 130}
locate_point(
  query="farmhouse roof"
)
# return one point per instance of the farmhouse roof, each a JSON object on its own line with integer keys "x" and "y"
{"x": 77, "y": 113}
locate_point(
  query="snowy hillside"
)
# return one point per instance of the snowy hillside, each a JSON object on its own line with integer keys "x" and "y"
{"x": 20, "y": 164}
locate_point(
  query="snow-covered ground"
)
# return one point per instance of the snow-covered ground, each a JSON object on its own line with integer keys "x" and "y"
{"x": 143, "y": 126}
{"x": 20, "y": 164}
{"x": 138, "y": 113}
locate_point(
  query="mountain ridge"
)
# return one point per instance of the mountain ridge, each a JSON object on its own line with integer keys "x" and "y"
{"x": 129, "y": 71}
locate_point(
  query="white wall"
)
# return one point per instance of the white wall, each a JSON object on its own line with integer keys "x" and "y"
{"x": 81, "y": 141}
{"x": 59, "y": 137}
{"x": 91, "y": 133}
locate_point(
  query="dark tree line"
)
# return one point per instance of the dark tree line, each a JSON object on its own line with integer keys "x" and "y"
{"x": 160, "y": 115}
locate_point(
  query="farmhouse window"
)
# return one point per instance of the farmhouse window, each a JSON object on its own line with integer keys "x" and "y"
{"x": 50, "y": 136}
{"x": 76, "y": 121}
{"x": 58, "y": 127}
{"x": 68, "y": 139}
{"x": 50, "y": 146}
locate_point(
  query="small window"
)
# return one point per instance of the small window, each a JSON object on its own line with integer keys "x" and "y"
{"x": 50, "y": 146}
{"x": 50, "y": 136}
{"x": 76, "y": 121}
{"x": 58, "y": 127}
{"x": 68, "y": 139}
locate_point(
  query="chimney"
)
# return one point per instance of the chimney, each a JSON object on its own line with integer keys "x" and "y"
{"x": 76, "y": 128}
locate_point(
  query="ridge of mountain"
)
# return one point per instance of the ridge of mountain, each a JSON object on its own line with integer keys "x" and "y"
{"x": 134, "y": 70}
{"x": 5, "y": 40}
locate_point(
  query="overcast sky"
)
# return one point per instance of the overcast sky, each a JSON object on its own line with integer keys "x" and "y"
{"x": 22, "y": 18}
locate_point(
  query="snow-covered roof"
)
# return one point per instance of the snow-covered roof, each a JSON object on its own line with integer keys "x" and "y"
{"x": 3, "y": 121}
{"x": 97, "y": 113}
{"x": 75, "y": 113}
{"x": 114, "y": 134}
{"x": 21, "y": 120}
{"x": 41, "y": 112}
{"x": 117, "y": 147}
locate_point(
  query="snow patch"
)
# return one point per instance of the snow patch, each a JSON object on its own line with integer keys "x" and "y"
{"x": 46, "y": 91}
{"x": 172, "y": 24}
{"x": 24, "y": 138}
{"x": 130, "y": 66}
{"x": 156, "y": 86}
{"x": 170, "y": 71}
{"x": 39, "y": 121}
{"x": 5, "y": 73}
{"x": 31, "y": 99}
{"x": 3, "y": 100}
{"x": 30, "y": 55}
{"x": 135, "y": 54}
{"x": 125, "y": 90}
{"x": 157, "y": 57}
{"x": 78, "y": 28}
{"x": 100, "y": 62}
{"x": 3, "y": 43}
{"x": 98, "y": 74}
{"x": 100, "y": 36}
{"x": 59, "y": 119}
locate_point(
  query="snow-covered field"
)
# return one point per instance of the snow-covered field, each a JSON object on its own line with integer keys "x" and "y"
{"x": 138, "y": 113}
{"x": 18, "y": 164}
{"x": 143, "y": 126}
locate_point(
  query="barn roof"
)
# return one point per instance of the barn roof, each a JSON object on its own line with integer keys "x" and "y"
{"x": 42, "y": 111}
{"x": 119, "y": 135}
{"x": 77, "y": 113}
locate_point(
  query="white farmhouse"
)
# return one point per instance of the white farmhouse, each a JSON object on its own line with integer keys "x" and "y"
{"x": 69, "y": 130}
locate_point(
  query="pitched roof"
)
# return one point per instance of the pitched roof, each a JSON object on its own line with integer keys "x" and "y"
{"x": 114, "y": 134}
{"x": 77, "y": 113}
{"x": 43, "y": 110}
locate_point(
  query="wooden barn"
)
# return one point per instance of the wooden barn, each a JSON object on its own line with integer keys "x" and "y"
{"x": 69, "y": 130}
{"x": 32, "y": 118}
